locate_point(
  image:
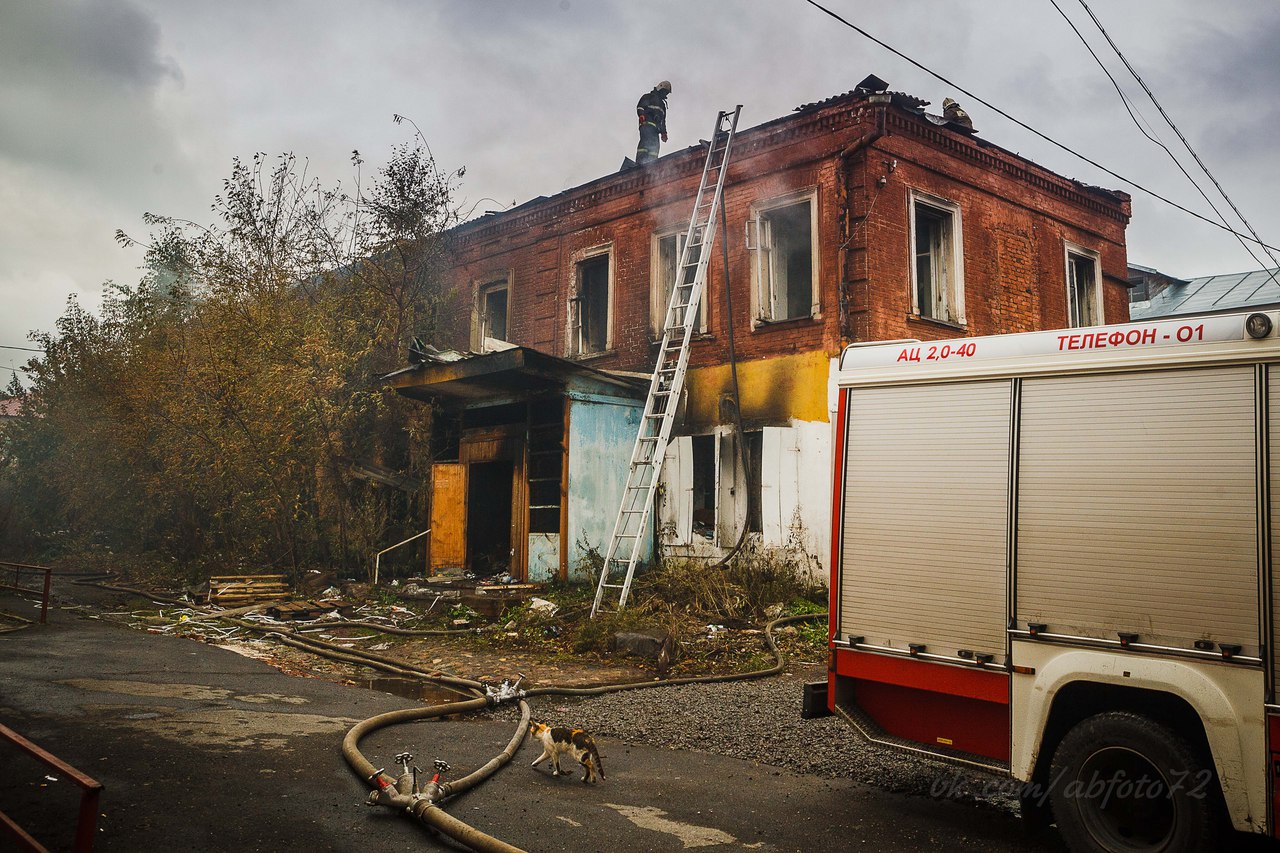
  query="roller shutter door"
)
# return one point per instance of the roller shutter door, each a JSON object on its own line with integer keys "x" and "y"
{"x": 1137, "y": 506}
{"x": 925, "y": 517}
{"x": 1273, "y": 395}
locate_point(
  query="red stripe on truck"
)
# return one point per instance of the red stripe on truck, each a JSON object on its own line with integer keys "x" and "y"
{"x": 929, "y": 703}
{"x": 980, "y": 684}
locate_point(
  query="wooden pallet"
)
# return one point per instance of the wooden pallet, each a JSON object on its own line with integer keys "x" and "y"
{"x": 308, "y": 609}
{"x": 246, "y": 589}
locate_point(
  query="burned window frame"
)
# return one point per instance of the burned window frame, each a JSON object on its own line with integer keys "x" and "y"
{"x": 660, "y": 287}
{"x": 1089, "y": 312}
{"x": 945, "y": 254}
{"x": 576, "y": 344}
{"x": 710, "y": 486}
{"x": 486, "y": 287}
{"x": 762, "y": 244}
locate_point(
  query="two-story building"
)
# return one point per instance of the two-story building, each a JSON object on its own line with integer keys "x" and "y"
{"x": 860, "y": 217}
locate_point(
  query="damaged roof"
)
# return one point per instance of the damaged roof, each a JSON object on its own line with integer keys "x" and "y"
{"x": 509, "y": 374}
{"x": 687, "y": 161}
{"x": 870, "y": 85}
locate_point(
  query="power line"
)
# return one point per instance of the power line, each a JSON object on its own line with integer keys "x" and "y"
{"x": 24, "y": 349}
{"x": 1184, "y": 141}
{"x": 1129, "y": 109}
{"x": 1028, "y": 127}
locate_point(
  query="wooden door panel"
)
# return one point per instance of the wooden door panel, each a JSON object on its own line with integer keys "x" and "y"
{"x": 448, "y": 515}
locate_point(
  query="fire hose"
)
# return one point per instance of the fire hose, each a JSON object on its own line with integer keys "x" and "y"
{"x": 403, "y": 792}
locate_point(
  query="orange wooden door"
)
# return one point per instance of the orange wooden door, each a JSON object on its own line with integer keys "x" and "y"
{"x": 448, "y": 515}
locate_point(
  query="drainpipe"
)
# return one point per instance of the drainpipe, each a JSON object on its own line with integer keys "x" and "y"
{"x": 859, "y": 145}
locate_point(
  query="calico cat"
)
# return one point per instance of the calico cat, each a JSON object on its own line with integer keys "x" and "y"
{"x": 575, "y": 743}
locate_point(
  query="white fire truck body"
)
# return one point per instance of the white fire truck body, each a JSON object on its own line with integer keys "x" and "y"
{"x": 1052, "y": 553}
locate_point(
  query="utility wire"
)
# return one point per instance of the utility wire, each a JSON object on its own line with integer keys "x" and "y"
{"x": 24, "y": 349}
{"x": 1129, "y": 109}
{"x": 1185, "y": 144}
{"x": 1026, "y": 126}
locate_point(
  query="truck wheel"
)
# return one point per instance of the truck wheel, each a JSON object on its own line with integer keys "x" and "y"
{"x": 1124, "y": 783}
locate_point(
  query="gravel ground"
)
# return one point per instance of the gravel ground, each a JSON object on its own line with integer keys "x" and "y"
{"x": 760, "y": 721}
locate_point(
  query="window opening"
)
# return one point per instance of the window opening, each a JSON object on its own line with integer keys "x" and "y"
{"x": 934, "y": 264}
{"x": 668, "y": 257}
{"x": 755, "y": 453}
{"x": 784, "y": 240}
{"x": 593, "y": 305}
{"x": 703, "y": 453}
{"x": 1082, "y": 290}
{"x": 489, "y": 517}
{"x": 493, "y": 314}
{"x": 546, "y": 464}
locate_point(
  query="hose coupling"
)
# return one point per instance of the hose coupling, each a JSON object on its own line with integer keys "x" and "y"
{"x": 507, "y": 691}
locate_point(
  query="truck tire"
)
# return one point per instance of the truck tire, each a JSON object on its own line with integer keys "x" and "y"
{"x": 1124, "y": 783}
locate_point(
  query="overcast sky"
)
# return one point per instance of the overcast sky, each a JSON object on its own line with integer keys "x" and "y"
{"x": 113, "y": 108}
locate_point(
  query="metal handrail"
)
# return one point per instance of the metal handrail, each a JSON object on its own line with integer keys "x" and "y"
{"x": 91, "y": 790}
{"x": 377, "y": 558}
{"x": 18, "y": 569}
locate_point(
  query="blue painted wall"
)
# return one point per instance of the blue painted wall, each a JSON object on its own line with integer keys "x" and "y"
{"x": 602, "y": 432}
{"x": 544, "y": 557}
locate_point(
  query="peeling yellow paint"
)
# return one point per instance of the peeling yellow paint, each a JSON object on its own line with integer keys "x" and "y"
{"x": 778, "y": 390}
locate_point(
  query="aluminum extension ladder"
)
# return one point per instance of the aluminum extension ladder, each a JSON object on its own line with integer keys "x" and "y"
{"x": 667, "y": 383}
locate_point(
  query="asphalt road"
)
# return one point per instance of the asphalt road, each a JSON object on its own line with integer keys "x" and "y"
{"x": 202, "y": 749}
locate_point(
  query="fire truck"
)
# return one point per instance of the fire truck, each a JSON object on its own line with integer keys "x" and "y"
{"x": 1052, "y": 561}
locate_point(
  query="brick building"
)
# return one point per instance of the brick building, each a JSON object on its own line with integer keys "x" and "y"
{"x": 861, "y": 217}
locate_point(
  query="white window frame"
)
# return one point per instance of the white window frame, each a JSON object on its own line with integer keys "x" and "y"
{"x": 574, "y": 331}
{"x": 760, "y": 244}
{"x": 483, "y": 288}
{"x": 953, "y": 290}
{"x": 658, "y": 294}
{"x": 1075, "y": 251}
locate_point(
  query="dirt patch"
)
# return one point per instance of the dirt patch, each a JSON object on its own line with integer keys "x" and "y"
{"x": 456, "y": 657}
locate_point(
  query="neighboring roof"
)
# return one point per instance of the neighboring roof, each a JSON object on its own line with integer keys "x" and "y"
{"x": 11, "y": 407}
{"x": 463, "y": 378}
{"x": 1212, "y": 294}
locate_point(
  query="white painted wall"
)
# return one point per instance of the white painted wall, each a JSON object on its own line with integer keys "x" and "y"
{"x": 795, "y": 497}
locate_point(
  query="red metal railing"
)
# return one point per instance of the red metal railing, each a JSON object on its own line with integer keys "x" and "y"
{"x": 90, "y": 790}
{"x": 18, "y": 570}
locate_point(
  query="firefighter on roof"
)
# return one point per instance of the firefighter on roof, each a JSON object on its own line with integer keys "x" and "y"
{"x": 652, "y": 110}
